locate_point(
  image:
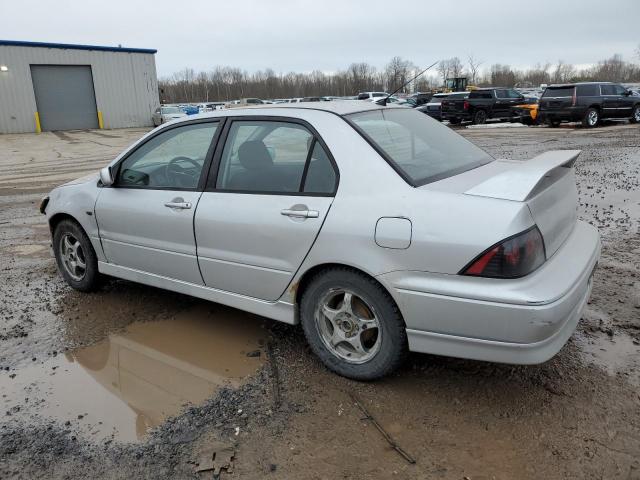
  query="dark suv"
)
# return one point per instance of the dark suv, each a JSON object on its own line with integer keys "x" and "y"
{"x": 588, "y": 103}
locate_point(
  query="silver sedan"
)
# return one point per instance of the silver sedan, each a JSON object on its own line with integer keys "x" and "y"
{"x": 378, "y": 229}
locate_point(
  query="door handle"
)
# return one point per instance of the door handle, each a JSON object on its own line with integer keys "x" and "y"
{"x": 287, "y": 212}
{"x": 178, "y": 205}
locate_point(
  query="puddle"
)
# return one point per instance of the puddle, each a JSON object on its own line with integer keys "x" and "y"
{"x": 134, "y": 380}
{"x": 616, "y": 355}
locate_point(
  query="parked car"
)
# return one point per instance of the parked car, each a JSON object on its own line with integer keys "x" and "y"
{"x": 190, "y": 109}
{"x": 209, "y": 106}
{"x": 371, "y": 95}
{"x": 481, "y": 105}
{"x": 455, "y": 107}
{"x": 377, "y": 228}
{"x": 421, "y": 98}
{"x": 527, "y": 111}
{"x": 433, "y": 108}
{"x": 166, "y": 114}
{"x": 588, "y": 103}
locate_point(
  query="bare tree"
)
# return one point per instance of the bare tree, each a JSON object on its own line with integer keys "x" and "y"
{"x": 444, "y": 69}
{"x": 455, "y": 66}
{"x": 563, "y": 72}
{"x": 397, "y": 73}
{"x": 474, "y": 68}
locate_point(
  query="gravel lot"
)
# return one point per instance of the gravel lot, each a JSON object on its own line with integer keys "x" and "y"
{"x": 136, "y": 382}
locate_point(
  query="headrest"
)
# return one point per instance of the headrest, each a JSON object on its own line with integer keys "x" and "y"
{"x": 253, "y": 155}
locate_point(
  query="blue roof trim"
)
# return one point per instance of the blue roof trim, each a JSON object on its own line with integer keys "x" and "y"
{"x": 70, "y": 46}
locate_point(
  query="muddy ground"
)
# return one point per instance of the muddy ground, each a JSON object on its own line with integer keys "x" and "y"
{"x": 136, "y": 382}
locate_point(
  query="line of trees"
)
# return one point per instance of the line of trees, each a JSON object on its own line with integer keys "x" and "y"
{"x": 229, "y": 83}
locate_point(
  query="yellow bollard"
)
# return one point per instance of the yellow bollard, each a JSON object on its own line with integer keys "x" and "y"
{"x": 38, "y": 129}
{"x": 100, "y": 122}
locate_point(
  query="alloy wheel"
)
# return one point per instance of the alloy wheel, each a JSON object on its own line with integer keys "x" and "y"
{"x": 592, "y": 118}
{"x": 348, "y": 326}
{"x": 72, "y": 256}
{"x": 636, "y": 114}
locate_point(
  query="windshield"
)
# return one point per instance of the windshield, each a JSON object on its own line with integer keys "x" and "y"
{"x": 171, "y": 110}
{"x": 420, "y": 149}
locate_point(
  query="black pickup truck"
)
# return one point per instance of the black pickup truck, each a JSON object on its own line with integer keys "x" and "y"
{"x": 482, "y": 104}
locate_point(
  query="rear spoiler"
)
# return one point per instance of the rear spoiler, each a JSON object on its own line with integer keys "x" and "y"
{"x": 518, "y": 182}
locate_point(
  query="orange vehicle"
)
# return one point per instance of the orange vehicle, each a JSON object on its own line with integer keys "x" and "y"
{"x": 527, "y": 111}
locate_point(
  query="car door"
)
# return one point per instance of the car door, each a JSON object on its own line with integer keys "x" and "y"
{"x": 610, "y": 101}
{"x": 145, "y": 218}
{"x": 502, "y": 105}
{"x": 624, "y": 101}
{"x": 272, "y": 185}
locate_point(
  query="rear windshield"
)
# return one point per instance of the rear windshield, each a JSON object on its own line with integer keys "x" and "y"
{"x": 436, "y": 99}
{"x": 558, "y": 92}
{"x": 419, "y": 148}
{"x": 171, "y": 110}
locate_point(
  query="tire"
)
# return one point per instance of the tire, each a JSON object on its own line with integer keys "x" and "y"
{"x": 635, "y": 114}
{"x": 591, "y": 118}
{"x": 479, "y": 117}
{"x": 383, "y": 340}
{"x": 553, "y": 123}
{"x": 71, "y": 246}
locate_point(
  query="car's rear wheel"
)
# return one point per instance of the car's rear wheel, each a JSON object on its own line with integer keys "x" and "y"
{"x": 591, "y": 118}
{"x": 480, "y": 117}
{"x": 76, "y": 259}
{"x": 352, "y": 324}
{"x": 635, "y": 114}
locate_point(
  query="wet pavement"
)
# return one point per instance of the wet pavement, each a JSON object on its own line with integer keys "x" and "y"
{"x": 132, "y": 381}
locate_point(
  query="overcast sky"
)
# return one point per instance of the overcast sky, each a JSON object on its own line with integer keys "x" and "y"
{"x": 305, "y": 35}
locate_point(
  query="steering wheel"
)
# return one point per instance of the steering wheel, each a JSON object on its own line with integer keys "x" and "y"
{"x": 183, "y": 177}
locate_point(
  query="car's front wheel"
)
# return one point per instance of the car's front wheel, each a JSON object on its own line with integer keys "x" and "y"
{"x": 352, "y": 324}
{"x": 76, "y": 259}
{"x": 635, "y": 114}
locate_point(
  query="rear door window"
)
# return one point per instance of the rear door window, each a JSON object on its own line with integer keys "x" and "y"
{"x": 502, "y": 94}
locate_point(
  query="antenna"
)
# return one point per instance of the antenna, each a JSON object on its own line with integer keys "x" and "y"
{"x": 383, "y": 102}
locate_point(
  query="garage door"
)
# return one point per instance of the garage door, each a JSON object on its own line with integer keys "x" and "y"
{"x": 64, "y": 96}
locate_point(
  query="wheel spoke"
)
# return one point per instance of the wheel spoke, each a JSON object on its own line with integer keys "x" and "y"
{"x": 356, "y": 344}
{"x": 67, "y": 244}
{"x": 347, "y": 305}
{"x": 337, "y": 337}
{"x": 330, "y": 313}
{"x": 80, "y": 262}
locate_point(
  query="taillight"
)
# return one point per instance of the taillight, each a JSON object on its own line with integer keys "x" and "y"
{"x": 513, "y": 257}
{"x": 465, "y": 105}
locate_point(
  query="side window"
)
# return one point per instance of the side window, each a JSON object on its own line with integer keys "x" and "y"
{"x": 587, "y": 90}
{"x": 321, "y": 177}
{"x": 264, "y": 156}
{"x": 513, "y": 94}
{"x": 607, "y": 90}
{"x": 501, "y": 94}
{"x": 619, "y": 90}
{"x": 172, "y": 159}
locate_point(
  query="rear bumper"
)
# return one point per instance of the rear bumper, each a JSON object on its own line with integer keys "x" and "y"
{"x": 568, "y": 114}
{"x": 462, "y": 116}
{"x": 518, "y": 321}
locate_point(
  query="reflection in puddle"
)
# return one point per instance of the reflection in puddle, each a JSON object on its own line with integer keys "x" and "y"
{"x": 136, "y": 379}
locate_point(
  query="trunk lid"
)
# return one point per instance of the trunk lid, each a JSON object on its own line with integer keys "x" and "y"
{"x": 547, "y": 185}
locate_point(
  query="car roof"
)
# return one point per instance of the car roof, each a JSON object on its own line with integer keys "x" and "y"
{"x": 337, "y": 107}
{"x": 560, "y": 85}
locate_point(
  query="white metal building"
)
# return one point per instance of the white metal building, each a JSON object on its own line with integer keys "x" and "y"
{"x": 53, "y": 86}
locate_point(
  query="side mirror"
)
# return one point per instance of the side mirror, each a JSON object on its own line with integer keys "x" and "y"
{"x": 105, "y": 176}
{"x": 627, "y": 93}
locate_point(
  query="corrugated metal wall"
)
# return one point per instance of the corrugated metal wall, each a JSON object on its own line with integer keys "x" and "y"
{"x": 125, "y": 83}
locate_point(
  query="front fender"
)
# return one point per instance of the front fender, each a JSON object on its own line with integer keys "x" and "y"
{"x": 78, "y": 202}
